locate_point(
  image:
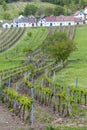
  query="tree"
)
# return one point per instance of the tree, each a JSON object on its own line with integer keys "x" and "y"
{"x": 58, "y": 46}
{"x": 41, "y": 11}
{"x": 48, "y": 11}
{"x": 30, "y": 10}
{"x": 4, "y": 5}
{"x": 7, "y": 16}
{"x": 58, "y": 10}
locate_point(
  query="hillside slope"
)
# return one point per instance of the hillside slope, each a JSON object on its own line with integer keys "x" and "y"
{"x": 15, "y": 55}
{"x": 16, "y": 7}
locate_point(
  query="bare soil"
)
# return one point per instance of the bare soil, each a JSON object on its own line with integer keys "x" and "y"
{"x": 8, "y": 121}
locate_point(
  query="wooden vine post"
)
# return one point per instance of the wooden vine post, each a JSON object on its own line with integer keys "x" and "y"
{"x": 75, "y": 99}
{"x": 32, "y": 94}
{"x": 9, "y": 83}
{"x": 69, "y": 104}
{"x": 0, "y": 87}
{"x": 77, "y": 82}
{"x": 54, "y": 87}
{"x": 16, "y": 87}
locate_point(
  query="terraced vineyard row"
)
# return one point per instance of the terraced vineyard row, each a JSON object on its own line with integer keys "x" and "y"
{"x": 10, "y": 37}
{"x": 51, "y": 94}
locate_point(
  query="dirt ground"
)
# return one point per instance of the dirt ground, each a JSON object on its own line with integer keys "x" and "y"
{"x": 7, "y": 120}
{"x": 43, "y": 117}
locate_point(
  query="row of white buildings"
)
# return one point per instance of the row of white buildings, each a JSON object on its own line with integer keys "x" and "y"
{"x": 79, "y": 18}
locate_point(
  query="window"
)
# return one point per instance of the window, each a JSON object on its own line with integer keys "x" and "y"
{"x": 69, "y": 24}
{"x": 60, "y": 24}
{"x": 17, "y": 25}
{"x": 50, "y": 24}
{"x": 6, "y": 26}
{"x": 12, "y": 26}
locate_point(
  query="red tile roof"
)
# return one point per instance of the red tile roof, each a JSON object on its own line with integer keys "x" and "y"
{"x": 69, "y": 18}
{"x": 85, "y": 7}
{"x": 60, "y": 18}
{"x": 32, "y": 19}
{"x": 77, "y": 12}
{"x": 51, "y": 19}
{"x": 65, "y": 18}
{"x": 78, "y": 20}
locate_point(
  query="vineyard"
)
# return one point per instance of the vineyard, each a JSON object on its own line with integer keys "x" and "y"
{"x": 9, "y": 38}
{"x": 35, "y": 82}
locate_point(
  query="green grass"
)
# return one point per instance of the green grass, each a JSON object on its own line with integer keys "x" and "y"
{"x": 15, "y": 55}
{"x": 77, "y": 66}
{"x": 66, "y": 128}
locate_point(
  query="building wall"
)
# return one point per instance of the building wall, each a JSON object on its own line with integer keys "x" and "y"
{"x": 82, "y": 16}
{"x": 6, "y": 25}
{"x": 85, "y": 11}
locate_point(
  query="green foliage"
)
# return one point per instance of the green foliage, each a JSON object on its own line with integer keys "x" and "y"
{"x": 59, "y": 10}
{"x": 12, "y": 94}
{"x": 65, "y": 128}
{"x": 49, "y": 11}
{"x": 7, "y": 16}
{"x": 29, "y": 34}
{"x": 4, "y": 5}
{"x": 58, "y": 46}
{"x": 27, "y": 50}
{"x": 47, "y": 91}
{"x": 30, "y": 10}
{"x": 50, "y": 128}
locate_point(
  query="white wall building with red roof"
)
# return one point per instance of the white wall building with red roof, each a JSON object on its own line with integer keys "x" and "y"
{"x": 79, "y": 14}
{"x": 65, "y": 20}
{"x": 48, "y": 21}
{"x": 85, "y": 11}
{"x": 59, "y": 21}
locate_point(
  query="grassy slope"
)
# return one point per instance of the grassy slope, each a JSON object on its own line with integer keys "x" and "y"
{"x": 78, "y": 61}
{"x": 15, "y": 8}
{"x": 13, "y": 58}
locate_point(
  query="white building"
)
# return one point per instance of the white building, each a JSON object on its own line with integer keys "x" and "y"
{"x": 79, "y": 14}
{"x": 6, "y": 25}
{"x": 65, "y": 20}
{"x": 32, "y": 21}
{"x": 21, "y": 21}
{"x": 48, "y": 21}
{"x": 1, "y": 21}
{"x": 85, "y": 12}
